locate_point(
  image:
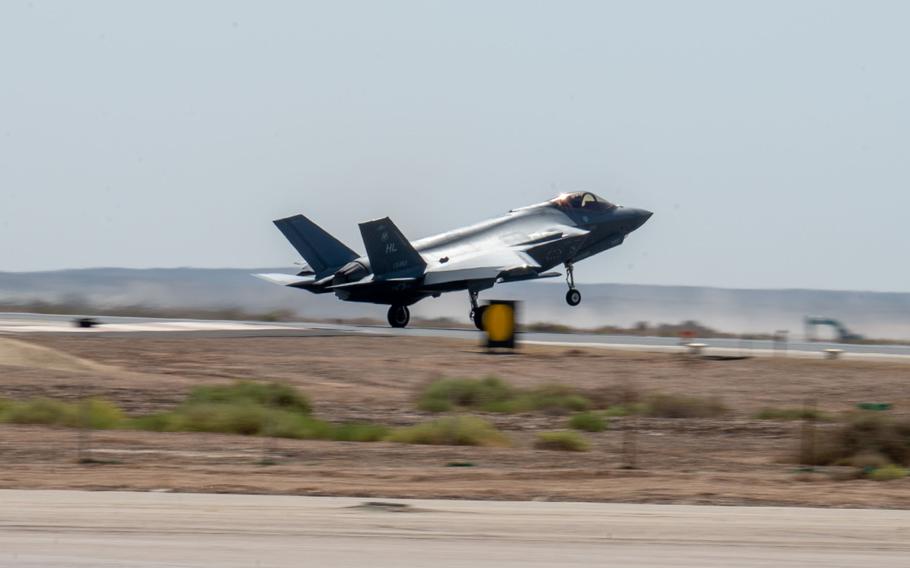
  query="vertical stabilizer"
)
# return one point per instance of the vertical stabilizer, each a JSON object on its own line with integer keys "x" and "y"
{"x": 391, "y": 255}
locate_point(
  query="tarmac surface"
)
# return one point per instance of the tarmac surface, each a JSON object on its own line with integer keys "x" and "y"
{"x": 52, "y": 529}
{"x": 47, "y": 323}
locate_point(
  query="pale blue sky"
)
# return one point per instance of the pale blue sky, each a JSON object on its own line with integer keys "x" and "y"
{"x": 771, "y": 139}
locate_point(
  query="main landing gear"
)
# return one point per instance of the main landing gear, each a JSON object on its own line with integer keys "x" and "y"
{"x": 399, "y": 316}
{"x": 573, "y": 296}
{"x": 476, "y": 311}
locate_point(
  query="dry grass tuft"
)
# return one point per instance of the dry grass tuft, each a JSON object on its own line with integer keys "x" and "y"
{"x": 562, "y": 440}
{"x": 588, "y": 421}
{"x": 451, "y": 431}
{"x": 865, "y": 434}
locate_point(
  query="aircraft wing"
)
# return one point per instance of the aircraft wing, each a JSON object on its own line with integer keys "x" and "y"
{"x": 371, "y": 280}
{"x": 484, "y": 265}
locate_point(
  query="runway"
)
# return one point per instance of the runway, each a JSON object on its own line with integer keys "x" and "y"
{"x": 56, "y": 529}
{"x": 48, "y": 323}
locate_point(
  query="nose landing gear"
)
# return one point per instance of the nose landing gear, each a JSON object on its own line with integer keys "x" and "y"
{"x": 573, "y": 296}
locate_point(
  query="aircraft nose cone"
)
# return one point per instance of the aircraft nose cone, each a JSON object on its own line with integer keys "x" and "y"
{"x": 641, "y": 216}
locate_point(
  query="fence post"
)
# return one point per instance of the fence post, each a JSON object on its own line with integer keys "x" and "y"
{"x": 629, "y": 436}
{"x": 807, "y": 449}
{"x": 83, "y": 443}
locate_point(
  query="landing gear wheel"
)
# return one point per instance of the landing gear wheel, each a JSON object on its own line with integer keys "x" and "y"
{"x": 573, "y": 296}
{"x": 477, "y": 317}
{"x": 399, "y": 316}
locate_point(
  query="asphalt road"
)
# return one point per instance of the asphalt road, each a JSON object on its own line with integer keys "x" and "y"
{"x": 44, "y": 323}
{"x": 51, "y": 529}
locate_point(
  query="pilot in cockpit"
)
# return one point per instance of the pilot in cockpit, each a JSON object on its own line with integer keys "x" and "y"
{"x": 583, "y": 200}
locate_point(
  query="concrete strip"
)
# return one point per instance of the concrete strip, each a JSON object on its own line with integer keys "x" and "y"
{"x": 75, "y": 529}
{"x": 724, "y": 351}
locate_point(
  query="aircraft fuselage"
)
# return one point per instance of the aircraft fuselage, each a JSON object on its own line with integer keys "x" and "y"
{"x": 524, "y": 244}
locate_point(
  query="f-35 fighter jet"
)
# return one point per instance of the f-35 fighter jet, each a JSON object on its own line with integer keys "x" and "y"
{"x": 524, "y": 244}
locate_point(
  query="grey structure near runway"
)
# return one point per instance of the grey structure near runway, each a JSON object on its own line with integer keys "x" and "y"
{"x": 524, "y": 244}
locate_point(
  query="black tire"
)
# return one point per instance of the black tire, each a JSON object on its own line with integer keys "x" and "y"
{"x": 573, "y": 297}
{"x": 399, "y": 316}
{"x": 477, "y": 317}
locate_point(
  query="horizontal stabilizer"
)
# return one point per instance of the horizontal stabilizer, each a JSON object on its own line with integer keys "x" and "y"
{"x": 284, "y": 279}
{"x": 322, "y": 251}
{"x": 305, "y": 269}
{"x": 391, "y": 255}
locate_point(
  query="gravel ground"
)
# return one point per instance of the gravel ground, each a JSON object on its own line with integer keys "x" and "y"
{"x": 733, "y": 460}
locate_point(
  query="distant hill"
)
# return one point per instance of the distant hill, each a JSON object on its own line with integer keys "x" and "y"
{"x": 874, "y": 314}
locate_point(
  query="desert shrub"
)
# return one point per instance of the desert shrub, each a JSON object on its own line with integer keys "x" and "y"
{"x": 253, "y": 420}
{"x": 889, "y": 472}
{"x": 275, "y": 395}
{"x": 99, "y": 414}
{"x": 451, "y": 431}
{"x": 492, "y": 394}
{"x": 360, "y": 432}
{"x": 249, "y": 409}
{"x": 448, "y": 394}
{"x": 39, "y": 411}
{"x": 562, "y": 440}
{"x": 243, "y": 407}
{"x": 246, "y": 408}
{"x": 683, "y": 406}
{"x": 227, "y": 418}
{"x": 295, "y": 425}
{"x": 792, "y": 414}
{"x": 588, "y": 421}
{"x": 90, "y": 413}
{"x": 435, "y": 405}
{"x": 865, "y": 432}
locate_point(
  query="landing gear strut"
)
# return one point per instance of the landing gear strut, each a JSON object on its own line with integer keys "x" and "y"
{"x": 476, "y": 311}
{"x": 573, "y": 296}
{"x": 399, "y": 316}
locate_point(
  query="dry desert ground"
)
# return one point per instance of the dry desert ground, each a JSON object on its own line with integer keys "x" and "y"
{"x": 734, "y": 459}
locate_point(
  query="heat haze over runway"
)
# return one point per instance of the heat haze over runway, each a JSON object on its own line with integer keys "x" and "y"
{"x": 48, "y": 323}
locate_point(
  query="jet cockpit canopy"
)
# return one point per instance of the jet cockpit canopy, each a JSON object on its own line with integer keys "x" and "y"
{"x": 582, "y": 200}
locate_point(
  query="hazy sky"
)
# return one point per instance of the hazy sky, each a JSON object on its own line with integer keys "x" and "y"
{"x": 771, "y": 139}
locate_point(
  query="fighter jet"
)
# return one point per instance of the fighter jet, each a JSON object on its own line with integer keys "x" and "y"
{"x": 525, "y": 244}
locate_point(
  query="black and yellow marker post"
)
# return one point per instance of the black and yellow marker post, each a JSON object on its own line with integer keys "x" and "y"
{"x": 499, "y": 324}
